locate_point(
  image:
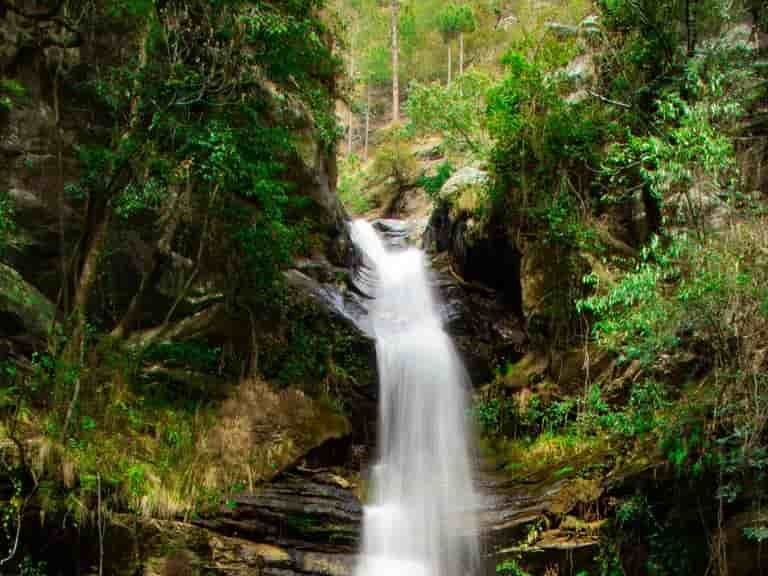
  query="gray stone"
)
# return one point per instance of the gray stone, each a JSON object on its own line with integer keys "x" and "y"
{"x": 562, "y": 30}
{"x": 462, "y": 180}
{"x": 590, "y": 26}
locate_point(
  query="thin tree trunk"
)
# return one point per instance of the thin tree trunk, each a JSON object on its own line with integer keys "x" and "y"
{"x": 89, "y": 269}
{"x": 367, "y": 119}
{"x": 461, "y": 53}
{"x": 100, "y": 524}
{"x": 350, "y": 115}
{"x": 153, "y": 268}
{"x": 87, "y": 279}
{"x": 450, "y": 65}
{"x": 690, "y": 26}
{"x": 60, "y": 187}
{"x": 136, "y": 98}
{"x": 395, "y": 64}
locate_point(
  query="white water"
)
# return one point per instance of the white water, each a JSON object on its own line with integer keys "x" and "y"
{"x": 420, "y": 519}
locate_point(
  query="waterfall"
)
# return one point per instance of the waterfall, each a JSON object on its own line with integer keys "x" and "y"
{"x": 420, "y": 517}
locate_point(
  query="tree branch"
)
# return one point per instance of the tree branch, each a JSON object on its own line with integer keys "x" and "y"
{"x": 608, "y": 100}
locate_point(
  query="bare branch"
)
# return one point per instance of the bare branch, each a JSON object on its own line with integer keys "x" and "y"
{"x": 608, "y": 100}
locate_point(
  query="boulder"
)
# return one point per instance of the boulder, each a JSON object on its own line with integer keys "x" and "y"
{"x": 462, "y": 191}
{"x": 700, "y": 207}
{"x": 562, "y": 30}
{"x": 26, "y": 315}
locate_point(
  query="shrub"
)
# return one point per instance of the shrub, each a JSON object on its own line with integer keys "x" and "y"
{"x": 7, "y": 222}
{"x": 433, "y": 184}
{"x": 455, "y": 112}
{"x": 394, "y": 161}
{"x": 351, "y": 186}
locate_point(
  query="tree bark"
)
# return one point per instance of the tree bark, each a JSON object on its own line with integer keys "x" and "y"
{"x": 690, "y": 26}
{"x": 350, "y": 115}
{"x": 395, "y": 64}
{"x": 89, "y": 272}
{"x": 461, "y": 53}
{"x": 450, "y": 65}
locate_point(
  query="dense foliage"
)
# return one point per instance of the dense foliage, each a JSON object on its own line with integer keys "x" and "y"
{"x": 213, "y": 118}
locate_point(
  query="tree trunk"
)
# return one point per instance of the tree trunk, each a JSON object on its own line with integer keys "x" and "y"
{"x": 450, "y": 66}
{"x": 461, "y": 53}
{"x": 367, "y": 119}
{"x": 395, "y": 64}
{"x": 349, "y": 131}
{"x": 98, "y": 222}
{"x": 350, "y": 115}
{"x": 153, "y": 268}
{"x": 690, "y": 26}
{"x": 89, "y": 272}
{"x": 64, "y": 299}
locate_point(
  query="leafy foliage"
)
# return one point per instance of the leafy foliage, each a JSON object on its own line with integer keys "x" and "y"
{"x": 7, "y": 224}
{"x": 394, "y": 161}
{"x": 11, "y": 91}
{"x": 456, "y": 112}
{"x": 433, "y": 184}
{"x": 351, "y": 186}
{"x": 510, "y": 568}
{"x": 454, "y": 19}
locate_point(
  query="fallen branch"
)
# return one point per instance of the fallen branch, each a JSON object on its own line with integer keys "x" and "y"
{"x": 608, "y": 100}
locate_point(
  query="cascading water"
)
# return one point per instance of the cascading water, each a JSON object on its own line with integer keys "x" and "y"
{"x": 420, "y": 519}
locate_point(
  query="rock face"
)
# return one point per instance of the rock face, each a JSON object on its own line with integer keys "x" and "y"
{"x": 332, "y": 304}
{"x": 308, "y": 510}
{"x": 304, "y": 523}
{"x": 479, "y": 250}
{"x": 477, "y": 270}
{"x": 486, "y": 332}
{"x": 699, "y": 207}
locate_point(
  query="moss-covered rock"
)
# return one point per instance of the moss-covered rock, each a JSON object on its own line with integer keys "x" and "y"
{"x": 24, "y": 310}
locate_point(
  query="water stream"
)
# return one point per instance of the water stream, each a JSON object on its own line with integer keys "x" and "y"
{"x": 420, "y": 517}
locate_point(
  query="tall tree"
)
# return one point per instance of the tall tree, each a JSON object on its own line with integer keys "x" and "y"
{"x": 395, "y": 63}
{"x": 453, "y": 21}
{"x": 467, "y": 24}
{"x": 448, "y": 23}
{"x": 350, "y": 113}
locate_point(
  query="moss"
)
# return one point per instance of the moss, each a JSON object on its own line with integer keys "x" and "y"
{"x": 525, "y": 372}
{"x": 20, "y": 299}
{"x": 544, "y": 455}
{"x": 319, "y": 354}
